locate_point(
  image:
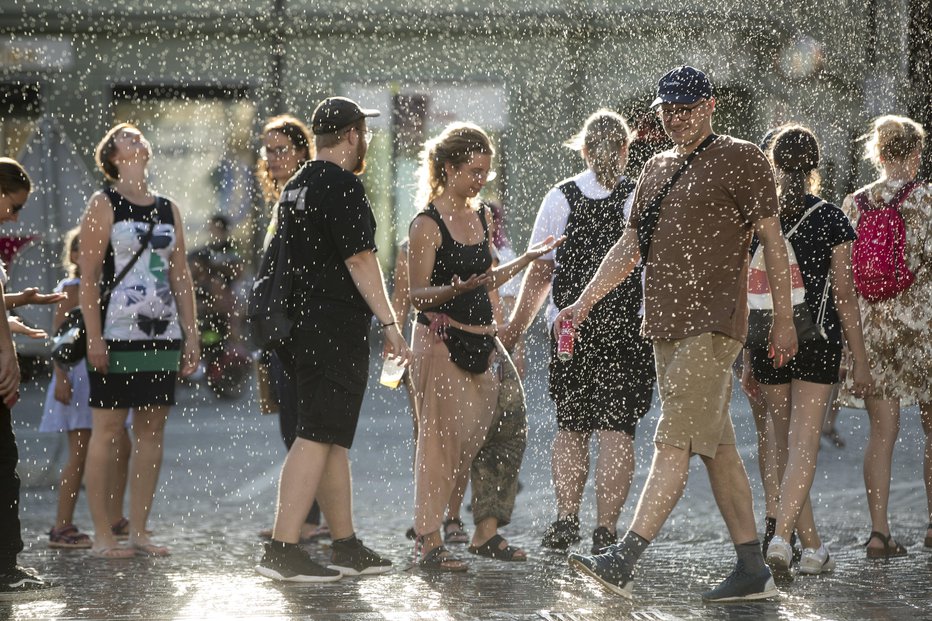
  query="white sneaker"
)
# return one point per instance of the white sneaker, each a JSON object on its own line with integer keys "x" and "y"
{"x": 779, "y": 554}
{"x": 814, "y": 562}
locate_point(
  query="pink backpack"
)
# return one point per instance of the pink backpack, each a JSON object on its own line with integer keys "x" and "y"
{"x": 878, "y": 256}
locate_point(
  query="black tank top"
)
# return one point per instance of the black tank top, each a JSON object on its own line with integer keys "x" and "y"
{"x": 453, "y": 258}
{"x": 592, "y": 228}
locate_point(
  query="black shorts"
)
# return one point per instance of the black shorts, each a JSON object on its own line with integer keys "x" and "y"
{"x": 816, "y": 361}
{"x": 329, "y": 357}
{"x": 608, "y": 384}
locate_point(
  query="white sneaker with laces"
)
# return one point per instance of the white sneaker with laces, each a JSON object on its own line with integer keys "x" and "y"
{"x": 815, "y": 562}
{"x": 779, "y": 554}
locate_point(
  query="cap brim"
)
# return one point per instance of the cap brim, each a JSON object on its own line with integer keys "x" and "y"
{"x": 675, "y": 99}
{"x": 368, "y": 113}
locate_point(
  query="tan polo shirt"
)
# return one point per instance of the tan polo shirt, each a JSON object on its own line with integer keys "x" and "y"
{"x": 696, "y": 278}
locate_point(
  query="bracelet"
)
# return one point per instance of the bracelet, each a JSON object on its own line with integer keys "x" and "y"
{"x": 386, "y": 325}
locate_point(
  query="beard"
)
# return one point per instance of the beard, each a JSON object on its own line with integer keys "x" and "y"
{"x": 361, "y": 151}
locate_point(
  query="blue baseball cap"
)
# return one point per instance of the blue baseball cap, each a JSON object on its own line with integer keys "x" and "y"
{"x": 683, "y": 85}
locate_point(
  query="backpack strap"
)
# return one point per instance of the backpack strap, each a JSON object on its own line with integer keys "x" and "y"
{"x": 805, "y": 215}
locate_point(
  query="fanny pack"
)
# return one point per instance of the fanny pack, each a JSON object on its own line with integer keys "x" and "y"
{"x": 470, "y": 352}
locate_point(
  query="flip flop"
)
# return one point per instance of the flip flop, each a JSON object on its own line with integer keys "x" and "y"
{"x": 492, "y": 549}
{"x": 113, "y": 553}
{"x": 149, "y": 549}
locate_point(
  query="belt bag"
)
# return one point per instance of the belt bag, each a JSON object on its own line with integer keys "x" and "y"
{"x": 470, "y": 352}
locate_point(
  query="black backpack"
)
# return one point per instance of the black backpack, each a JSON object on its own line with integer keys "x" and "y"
{"x": 269, "y": 312}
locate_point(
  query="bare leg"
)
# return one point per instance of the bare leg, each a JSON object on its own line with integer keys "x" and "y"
{"x": 878, "y": 461}
{"x": 809, "y": 403}
{"x": 99, "y": 469}
{"x": 665, "y": 483}
{"x": 335, "y": 493}
{"x": 297, "y": 488}
{"x": 732, "y": 492}
{"x": 767, "y": 461}
{"x": 613, "y": 474}
{"x": 120, "y": 475}
{"x": 71, "y": 475}
{"x": 149, "y": 429}
{"x": 570, "y": 466}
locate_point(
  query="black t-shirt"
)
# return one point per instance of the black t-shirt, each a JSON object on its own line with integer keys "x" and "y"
{"x": 813, "y": 242}
{"x": 329, "y": 220}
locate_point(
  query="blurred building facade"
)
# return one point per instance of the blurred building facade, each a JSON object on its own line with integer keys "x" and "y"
{"x": 200, "y": 77}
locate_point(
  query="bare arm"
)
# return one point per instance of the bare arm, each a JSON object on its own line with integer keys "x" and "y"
{"x": 850, "y": 315}
{"x": 182, "y": 286}
{"x": 9, "y": 366}
{"x": 783, "y": 334}
{"x": 534, "y": 289}
{"x": 401, "y": 292}
{"x": 95, "y": 237}
{"x": 366, "y": 273}
{"x": 30, "y": 296}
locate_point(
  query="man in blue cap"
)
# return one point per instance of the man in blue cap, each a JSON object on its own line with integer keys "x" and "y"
{"x": 695, "y": 209}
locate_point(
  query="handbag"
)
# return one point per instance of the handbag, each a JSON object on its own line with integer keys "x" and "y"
{"x": 69, "y": 343}
{"x": 470, "y": 352}
{"x": 760, "y": 301}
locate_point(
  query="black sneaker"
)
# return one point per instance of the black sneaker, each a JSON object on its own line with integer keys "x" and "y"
{"x": 562, "y": 533}
{"x": 741, "y": 585}
{"x": 293, "y": 564}
{"x": 608, "y": 569}
{"x": 23, "y": 583}
{"x": 602, "y": 538}
{"x": 351, "y": 558}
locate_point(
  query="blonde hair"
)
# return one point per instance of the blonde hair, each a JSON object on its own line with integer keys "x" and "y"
{"x": 892, "y": 137}
{"x": 603, "y": 135}
{"x": 69, "y": 241}
{"x": 300, "y": 137}
{"x": 455, "y": 145}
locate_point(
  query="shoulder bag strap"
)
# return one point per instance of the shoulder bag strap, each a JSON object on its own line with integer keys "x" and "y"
{"x": 803, "y": 219}
{"x": 647, "y": 223}
{"x": 105, "y": 297}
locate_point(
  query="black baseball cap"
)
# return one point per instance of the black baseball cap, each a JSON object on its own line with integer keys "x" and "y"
{"x": 334, "y": 113}
{"x": 683, "y": 85}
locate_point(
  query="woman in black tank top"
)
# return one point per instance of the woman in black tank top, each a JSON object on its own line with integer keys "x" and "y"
{"x": 456, "y": 389}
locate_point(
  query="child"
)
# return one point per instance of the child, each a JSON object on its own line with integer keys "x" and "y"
{"x": 67, "y": 410}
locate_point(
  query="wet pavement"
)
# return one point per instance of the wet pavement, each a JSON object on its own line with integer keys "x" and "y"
{"x": 218, "y": 484}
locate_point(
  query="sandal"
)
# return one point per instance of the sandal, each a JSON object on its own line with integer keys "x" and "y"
{"x": 321, "y": 532}
{"x": 120, "y": 530}
{"x": 456, "y": 534}
{"x": 928, "y": 542}
{"x": 113, "y": 553}
{"x": 440, "y": 559}
{"x": 68, "y": 537}
{"x": 149, "y": 549}
{"x": 888, "y": 551}
{"x": 493, "y": 549}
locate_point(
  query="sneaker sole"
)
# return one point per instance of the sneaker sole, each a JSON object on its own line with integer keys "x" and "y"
{"x": 625, "y": 591}
{"x": 825, "y": 568}
{"x": 25, "y": 596}
{"x": 368, "y": 571}
{"x": 268, "y": 572}
{"x": 770, "y": 590}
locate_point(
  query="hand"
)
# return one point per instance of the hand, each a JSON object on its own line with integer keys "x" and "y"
{"x": 17, "y": 326}
{"x": 63, "y": 389}
{"x": 395, "y": 344}
{"x": 474, "y": 281}
{"x": 863, "y": 385}
{"x": 190, "y": 355}
{"x": 576, "y": 311}
{"x": 31, "y": 295}
{"x": 749, "y": 385}
{"x": 782, "y": 341}
{"x": 9, "y": 375}
{"x": 541, "y": 248}
{"x": 98, "y": 358}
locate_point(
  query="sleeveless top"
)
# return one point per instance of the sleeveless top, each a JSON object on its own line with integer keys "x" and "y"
{"x": 593, "y": 227}
{"x": 464, "y": 260}
{"x": 142, "y": 306}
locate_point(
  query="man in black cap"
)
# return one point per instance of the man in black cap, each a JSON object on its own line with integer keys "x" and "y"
{"x": 694, "y": 211}
{"x": 330, "y": 230}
